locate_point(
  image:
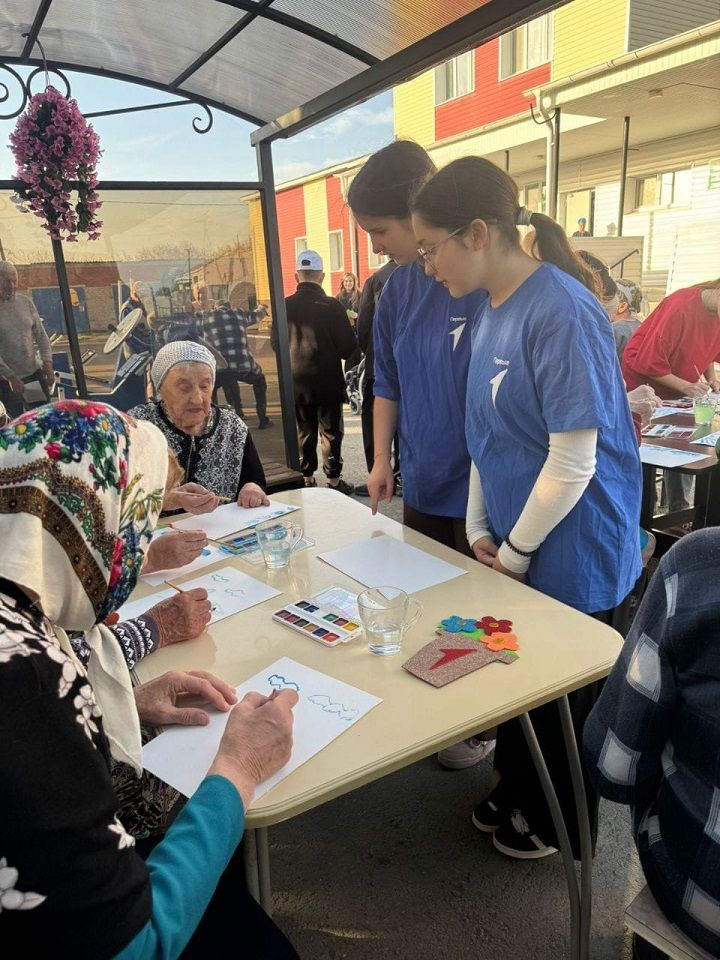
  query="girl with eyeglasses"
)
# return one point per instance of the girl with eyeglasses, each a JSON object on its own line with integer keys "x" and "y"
{"x": 555, "y": 484}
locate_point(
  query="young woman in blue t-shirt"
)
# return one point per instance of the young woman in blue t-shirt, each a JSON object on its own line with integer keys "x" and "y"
{"x": 555, "y": 484}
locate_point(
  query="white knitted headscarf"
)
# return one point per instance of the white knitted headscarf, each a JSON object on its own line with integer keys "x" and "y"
{"x": 180, "y": 351}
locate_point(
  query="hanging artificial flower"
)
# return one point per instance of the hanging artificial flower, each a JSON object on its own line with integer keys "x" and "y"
{"x": 56, "y": 151}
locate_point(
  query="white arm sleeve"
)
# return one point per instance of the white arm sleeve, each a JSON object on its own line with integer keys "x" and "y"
{"x": 476, "y": 521}
{"x": 569, "y": 468}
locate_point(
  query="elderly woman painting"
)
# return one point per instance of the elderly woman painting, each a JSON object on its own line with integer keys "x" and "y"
{"x": 213, "y": 446}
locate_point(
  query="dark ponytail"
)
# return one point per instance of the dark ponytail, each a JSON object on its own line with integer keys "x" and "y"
{"x": 473, "y": 188}
{"x": 387, "y": 181}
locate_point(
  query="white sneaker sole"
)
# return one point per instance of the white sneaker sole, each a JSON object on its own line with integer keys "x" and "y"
{"x": 484, "y": 827}
{"x": 523, "y": 854}
{"x": 451, "y": 763}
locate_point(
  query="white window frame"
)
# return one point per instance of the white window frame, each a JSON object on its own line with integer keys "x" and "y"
{"x": 469, "y": 60}
{"x": 337, "y": 233}
{"x": 684, "y": 204}
{"x": 375, "y": 260}
{"x": 523, "y": 32}
{"x": 300, "y": 249}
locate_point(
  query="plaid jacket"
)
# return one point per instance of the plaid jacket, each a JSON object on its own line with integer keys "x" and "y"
{"x": 225, "y": 329}
{"x": 653, "y": 739}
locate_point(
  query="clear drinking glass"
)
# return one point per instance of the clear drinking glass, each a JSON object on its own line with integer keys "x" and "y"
{"x": 704, "y": 409}
{"x": 386, "y": 613}
{"x": 277, "y": 539}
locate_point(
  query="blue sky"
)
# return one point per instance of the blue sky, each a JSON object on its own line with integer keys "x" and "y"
{"x": 161, "y": 144}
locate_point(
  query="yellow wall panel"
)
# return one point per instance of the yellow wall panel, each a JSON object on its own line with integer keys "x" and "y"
{"x": 257, "y": 237}
{"x": 414, "y": 104}
{"x": 587, "y": 33}
{"x": 316, "y": 224}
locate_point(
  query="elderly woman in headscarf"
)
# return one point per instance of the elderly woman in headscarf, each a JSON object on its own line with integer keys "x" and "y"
{"x": 213, "y": 446}
{"x": 81, "y": 487}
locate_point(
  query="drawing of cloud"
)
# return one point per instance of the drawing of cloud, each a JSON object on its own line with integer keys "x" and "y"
{"x": 277, "y": 682}
{"x": 219, "y": 578}
{"x": 329, "y": 706}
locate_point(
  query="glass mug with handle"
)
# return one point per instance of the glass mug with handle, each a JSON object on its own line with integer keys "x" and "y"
{"x": 277, "y": 539}
{"x": 386, "y": 613}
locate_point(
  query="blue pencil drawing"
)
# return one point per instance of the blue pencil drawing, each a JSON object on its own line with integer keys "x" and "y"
{"x": 278, "y": 682}
{"x": 236, "y": 592}
{"x": 329, "y": 706}
{"x": 219, "y": 578}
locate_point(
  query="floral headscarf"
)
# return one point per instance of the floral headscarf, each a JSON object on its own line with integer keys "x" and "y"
{"x": 81, "y": 488}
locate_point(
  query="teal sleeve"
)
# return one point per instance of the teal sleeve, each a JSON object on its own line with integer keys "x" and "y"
{"x": 185, "y": 868}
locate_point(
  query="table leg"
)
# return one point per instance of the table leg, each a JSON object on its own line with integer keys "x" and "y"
{"x": 560, "y": 829}
{"x": 586, "y": 857}
{"x": 251, "y": 864}
{"x": 263, "y": 864}
{"x": 649, "y": 494}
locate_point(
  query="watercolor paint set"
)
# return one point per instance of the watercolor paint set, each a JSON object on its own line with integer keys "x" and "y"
{"x": 326, "y": 625}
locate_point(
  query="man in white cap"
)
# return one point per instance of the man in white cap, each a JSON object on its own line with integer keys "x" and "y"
{"x": 320, "y": 339}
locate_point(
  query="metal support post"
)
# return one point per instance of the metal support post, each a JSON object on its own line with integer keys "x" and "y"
{"x": 623, "y": 176}
{"x": 553, "y": 185}
{"x": 70, "y": 330}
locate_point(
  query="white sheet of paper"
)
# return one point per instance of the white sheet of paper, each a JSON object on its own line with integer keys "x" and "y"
{"x": 137, "y": 607}
{"x": 667, "y": 411}
{"x": 387, "y": 562}
{"x": 230, "y": 518}
{"x": 710, "y": 440}
{"x": 327, "y": 708}
{"x": 209, "y": 555}
{"x": 667, "y": 456}
{"x": 230, "y": 591}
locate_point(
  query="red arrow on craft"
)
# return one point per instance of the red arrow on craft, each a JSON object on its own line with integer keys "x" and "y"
{"x": 452, "y": 653}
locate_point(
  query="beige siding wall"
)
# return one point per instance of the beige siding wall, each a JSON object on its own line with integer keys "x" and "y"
{"x": 587, "y": 33}
{"x": 414, "y": 104}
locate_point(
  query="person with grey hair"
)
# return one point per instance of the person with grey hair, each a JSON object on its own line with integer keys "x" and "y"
{"x": 22, "y": 339}
{"x": 213, "y": 446}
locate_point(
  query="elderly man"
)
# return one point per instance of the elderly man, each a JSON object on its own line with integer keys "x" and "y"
{"x": 22, "y": 339}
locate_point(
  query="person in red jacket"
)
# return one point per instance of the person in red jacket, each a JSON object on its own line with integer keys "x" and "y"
{"x": 675, "y": 349}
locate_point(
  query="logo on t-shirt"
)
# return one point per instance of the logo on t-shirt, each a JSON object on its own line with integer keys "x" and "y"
{"x": 456, "y": 332}
{"x": 495, "y": 383}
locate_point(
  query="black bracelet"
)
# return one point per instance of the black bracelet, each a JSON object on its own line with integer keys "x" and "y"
{"x": 520, "y": 553}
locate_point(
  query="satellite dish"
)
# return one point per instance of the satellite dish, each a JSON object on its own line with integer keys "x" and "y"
{"x": 123, "y": 330}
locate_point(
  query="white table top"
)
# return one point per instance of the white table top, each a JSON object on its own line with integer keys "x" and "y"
{"x": 560, "y": 651}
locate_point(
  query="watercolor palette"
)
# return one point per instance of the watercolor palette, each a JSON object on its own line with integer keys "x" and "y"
{"x": 327, "y": 626}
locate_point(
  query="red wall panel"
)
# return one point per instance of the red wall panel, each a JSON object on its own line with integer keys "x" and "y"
{"x": 291, "y": 224}
{"x": 492, "y": 99}
{"x": 338, "y": 220}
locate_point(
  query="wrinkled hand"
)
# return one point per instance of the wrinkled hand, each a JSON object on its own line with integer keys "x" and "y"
{"x": 714, "y": 385}
{"x": 183, "y": 617}
{"x": 48, "y": 371}
{"x": 644, "y": 401}
{"x": 16, "y": 385}
{"x": 380, "y": 483}
{"x": 174, "y": 549}
{"x": 485, "y": 550}
{"x": 698, "y": 389}
{"x": 496, "y": 565}
{"x": 251, "y": 495}
{"x": 257, "y": 741}
{"x": 192, "y": 498}
{"x": 174, "y": 698}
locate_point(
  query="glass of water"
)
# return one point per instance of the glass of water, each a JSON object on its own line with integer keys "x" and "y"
{"x": 277, "y": 540}
{"x": 386, "y": 613}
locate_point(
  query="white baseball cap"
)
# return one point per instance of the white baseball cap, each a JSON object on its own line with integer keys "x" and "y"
{"x": 309, "y": 260}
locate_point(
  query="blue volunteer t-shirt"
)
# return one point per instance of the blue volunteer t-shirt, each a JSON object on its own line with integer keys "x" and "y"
{"x": 544, "y": 362}
{"x": 422, "y": 339}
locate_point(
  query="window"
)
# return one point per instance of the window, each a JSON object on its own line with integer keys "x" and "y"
{"x": 337, "y": 255}
{"x": 672, "y": 188}
{"x": 300, "y": 245}
{"x": 532, "y": 196}
{"x": 374, "y": 260}
{"x": 527, "y": 47}
{"x": 455, "y": 78}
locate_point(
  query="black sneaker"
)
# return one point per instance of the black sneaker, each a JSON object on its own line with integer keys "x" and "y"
{"x": 398, "y": 485}
{"x": 514, "y": 838}
{"x": 310, "y": 481}
{"x": 342, "y": 486}
{"x": 361, "y": 490}
{"x": 487, "y": 816}
{"x": 265, "y": 423}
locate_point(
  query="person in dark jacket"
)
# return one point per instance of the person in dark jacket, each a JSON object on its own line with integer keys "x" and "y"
{"x": 321, "y": 337}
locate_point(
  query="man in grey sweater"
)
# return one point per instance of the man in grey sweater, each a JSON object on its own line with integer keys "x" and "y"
{"x": 22, "y": 341}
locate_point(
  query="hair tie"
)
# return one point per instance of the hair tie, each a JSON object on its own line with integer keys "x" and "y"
{"x": 524, "y": 217}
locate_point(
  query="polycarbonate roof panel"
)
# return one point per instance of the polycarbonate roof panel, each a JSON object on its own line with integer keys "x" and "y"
{"x": 267, "y": 69}
{"x": 271, "y": 69}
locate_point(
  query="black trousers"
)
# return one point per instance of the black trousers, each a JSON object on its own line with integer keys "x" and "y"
{"x": 449, "y": 531}
{"x": 326, "y": 418}
{"x": 368, "y": 432}
{"x": 227, "y": 380}
{"x": 14, "y": 403}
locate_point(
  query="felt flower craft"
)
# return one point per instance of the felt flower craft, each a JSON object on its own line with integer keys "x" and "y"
{"x": 491, "y": 625}
{"x": 500, "y": 641}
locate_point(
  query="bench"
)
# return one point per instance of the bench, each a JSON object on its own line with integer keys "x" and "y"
{"x": 645, "y": 918}
{"x": 279, "y": 476}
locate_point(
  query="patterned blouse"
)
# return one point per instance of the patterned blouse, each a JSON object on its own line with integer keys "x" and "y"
{"x": 223, "y": 459}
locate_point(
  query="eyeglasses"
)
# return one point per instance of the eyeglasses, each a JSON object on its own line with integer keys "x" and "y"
{"x": 427, "y": 253}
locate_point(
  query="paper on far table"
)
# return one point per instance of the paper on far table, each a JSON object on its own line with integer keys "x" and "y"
{"x": 210, "y": 554}
{"x": 710, "y": 440}
{"x": 667, "y": 456}
{"x": 230, "y": 518}
{"x": 327, "y": 708}
{"x": 387, "y": 562}
{"x": 667, "y": 411}
{"x": 230, "y": 591}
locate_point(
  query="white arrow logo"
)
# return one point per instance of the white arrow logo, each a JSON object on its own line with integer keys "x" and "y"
{"x": 456, "y": 334}
{"x": 496, "y": 381}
